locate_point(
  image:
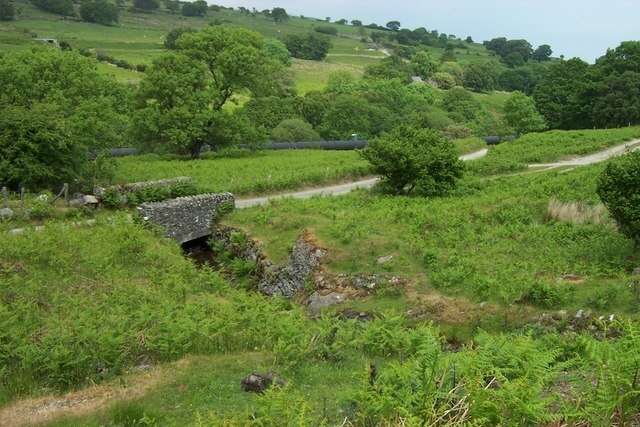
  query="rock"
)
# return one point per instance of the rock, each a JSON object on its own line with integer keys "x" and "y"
{"x": 90, "y": 200}
{"x": 6, "y": 213}
{"x": 579, "y": 314}
{"x": 43, "y": 197}
{"x": 317, "y": 302}
{"x": 258, "y": 383}
{"x": 384, "y": 259}
{"x": 287, "y": 280}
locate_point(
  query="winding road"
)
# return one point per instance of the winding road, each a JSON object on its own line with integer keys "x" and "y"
{"x": 335, "y": 190}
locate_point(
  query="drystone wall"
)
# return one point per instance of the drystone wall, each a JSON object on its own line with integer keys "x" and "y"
{"x": 187, "y": 218}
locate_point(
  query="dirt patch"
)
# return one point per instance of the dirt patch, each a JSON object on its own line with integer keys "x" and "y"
{"x": 36, "y": 411}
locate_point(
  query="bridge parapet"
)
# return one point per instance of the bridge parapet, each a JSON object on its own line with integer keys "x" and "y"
{"x": 187, "y": 218}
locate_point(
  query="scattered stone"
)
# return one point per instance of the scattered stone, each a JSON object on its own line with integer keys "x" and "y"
{"x": 6, "y": 213}
{"x": 258, "y": 383}
{"x": 349, "y": 313}
{"x": 579, "y": 314}
{"x": 317, "y": 302}
{"x": 384, "y": 259}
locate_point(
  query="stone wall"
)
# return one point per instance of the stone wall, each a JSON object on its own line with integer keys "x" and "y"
{"x": 123, "y": 189}
{"x": 187, "y": 218}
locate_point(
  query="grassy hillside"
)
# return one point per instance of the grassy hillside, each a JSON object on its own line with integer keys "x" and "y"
{"x": 138, "y": 38}
{"x": 84, "y": 305}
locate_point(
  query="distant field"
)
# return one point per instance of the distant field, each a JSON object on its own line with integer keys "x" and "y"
{"x": 138, "y": 39}
{"x": 261, "y": 172}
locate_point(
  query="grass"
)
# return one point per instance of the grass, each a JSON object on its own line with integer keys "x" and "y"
{"x": 261, "y": 172}
{"x": 83, "y": 305}
{"x": 552, "y": 146}
{"x": 492, "y": 241}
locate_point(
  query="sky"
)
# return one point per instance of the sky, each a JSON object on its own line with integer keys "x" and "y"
{"x": 573, "y": 28}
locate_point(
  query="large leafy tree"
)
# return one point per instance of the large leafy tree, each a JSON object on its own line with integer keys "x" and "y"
{"x": 85, "y": 109}
{"x": 481, "y": 76}
{"x": 311, "y": 46}
{"x": 521, "y": 115}
{"x": 7, "y": 11}
{"x": 279, "y": 14}
{"x": 180, "y": 102}
{"x": 99, "y": 11}
{"x": 414, "y": 160}
{"x": 559, "y": 96}
{"x": 61, "y": 7}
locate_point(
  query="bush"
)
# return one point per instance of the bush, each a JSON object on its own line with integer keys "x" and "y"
{"x": 99, "y": 11}
{"x": 60, "y": 7}
{"x": 619, "y": 190}
{"x": 308, "y": 46}
{"x": 415, "y": 159}
{"x": 332, "y": 31}
{"x": 294, "y": 130}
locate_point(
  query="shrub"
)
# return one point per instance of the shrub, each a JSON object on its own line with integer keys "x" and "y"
{"x": 294, "y": 130}
{"x": 332, "y": 31}
{"x": 415, "y": 159}
{"x": 619, "y": 190}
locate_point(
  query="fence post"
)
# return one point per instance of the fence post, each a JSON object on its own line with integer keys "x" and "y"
{"x": 4, "y": 197}
{"x": 66, "y": 194}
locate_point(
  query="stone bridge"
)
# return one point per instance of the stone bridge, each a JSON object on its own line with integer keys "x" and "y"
{"x": 187, "y": 218}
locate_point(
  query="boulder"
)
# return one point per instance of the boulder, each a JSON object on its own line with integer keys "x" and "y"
{"x": 6, "y": 213}
{"x": 317, "y": 302}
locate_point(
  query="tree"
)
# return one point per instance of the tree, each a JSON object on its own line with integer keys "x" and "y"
{"x": 353, "y": 113}
{"x": 180, "y": 100}
{"x": 311, "y": 46}
{"x": 617, "y": 100}
{"x": 294, "y": 130}
{"x": 424, "y": 65}
{"x": 455, "y": 70}
{"x": 414, "y": 159}
{"x": 469, "y": 40}
{"x": 279, "y": 14}
{"x": 461, "y": 104}
{"x": 521, "y": 79}
{"x": 60, "y": 7}
{"x": 36, "y": 151}
{"x": 341, "y": 21}
{"x": 147, "y": 5}
{"x": 443, "y": 80}
{"x": 390, "y": 67}
{"x": 393, "y": 25}
{"x": 196, "y": 8}
{"x": 7, "y": 11}
{"x": 542, "y": 53}
{"x": 521, "y": 115}
{"x": 99, "y": 12}
{"x": 619, "y": 189}
{"x": 171, "y": 40}
{"x": 278, "y": 51}
{"x": 481, "y": 76}
{"x": 172, "y": 5}
{"x": 558, "y": 96}
{"x": 625, "y": 57}
{"x": 93, "y": 104}
{"x": 356, "y": 23}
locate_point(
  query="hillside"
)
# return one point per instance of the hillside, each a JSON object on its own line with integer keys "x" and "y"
{"x": 138, "y": 38}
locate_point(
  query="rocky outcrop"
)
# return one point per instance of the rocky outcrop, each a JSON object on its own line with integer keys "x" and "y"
{"x": 289, "y": 279}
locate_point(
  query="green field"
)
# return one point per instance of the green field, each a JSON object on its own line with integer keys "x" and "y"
{"x": 138, "y": 39}
{"x": 84, "y": 305}
{"x": 262, "y": 172}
